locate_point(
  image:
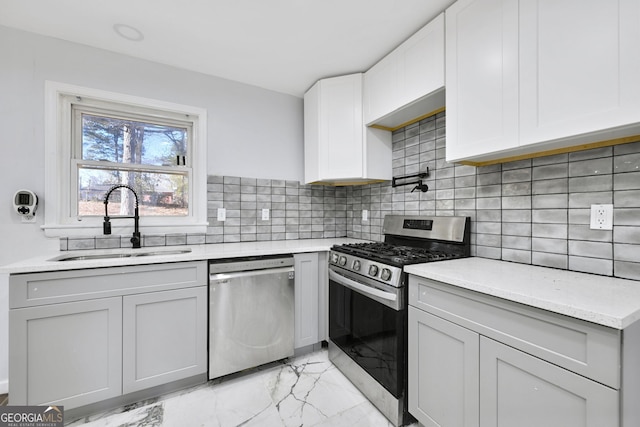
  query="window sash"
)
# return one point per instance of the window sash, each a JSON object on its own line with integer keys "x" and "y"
{"x": 61, "y": 164}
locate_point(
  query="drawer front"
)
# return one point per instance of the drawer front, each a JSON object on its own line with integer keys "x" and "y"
{"x": 584, "y": 348}
{"x": 28, "y": 290}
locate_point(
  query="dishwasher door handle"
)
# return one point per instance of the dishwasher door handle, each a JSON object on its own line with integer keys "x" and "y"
{"x": 225, "y": 277}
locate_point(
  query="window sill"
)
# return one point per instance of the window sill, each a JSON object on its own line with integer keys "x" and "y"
{"x": 91, "y": 230}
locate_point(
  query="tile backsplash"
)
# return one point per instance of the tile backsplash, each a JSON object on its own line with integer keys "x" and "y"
{"x": 533, "y": 211}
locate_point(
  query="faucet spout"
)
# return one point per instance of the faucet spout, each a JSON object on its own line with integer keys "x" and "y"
{"x": 106, "y": 226}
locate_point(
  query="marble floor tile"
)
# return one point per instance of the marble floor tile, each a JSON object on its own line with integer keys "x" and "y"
{"x": 304, "y": 391}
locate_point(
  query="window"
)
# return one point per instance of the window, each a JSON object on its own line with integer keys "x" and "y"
{"x": 98, "y": 139}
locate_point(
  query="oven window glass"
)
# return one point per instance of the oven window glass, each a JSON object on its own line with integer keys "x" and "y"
{"x": 370, "y": 333}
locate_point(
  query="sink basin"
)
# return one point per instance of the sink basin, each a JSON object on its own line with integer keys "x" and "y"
{"x": 128, "y": 254}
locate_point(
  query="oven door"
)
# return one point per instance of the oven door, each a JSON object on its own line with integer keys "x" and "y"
{"x": 367, "y": 321}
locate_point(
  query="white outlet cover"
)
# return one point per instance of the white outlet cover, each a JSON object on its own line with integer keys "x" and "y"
{"x": 265, "y": 214}
{"x": 601, "y": 217}
{"x": 365, "y": 215}
{"x": 222, "y": 214}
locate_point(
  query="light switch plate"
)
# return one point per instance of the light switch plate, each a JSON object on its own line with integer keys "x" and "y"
{"x": 365, "y": 215}
{"x": 265, "y": 214}
{"x": 601, "y": 217}
{"x": 222, "y": 214}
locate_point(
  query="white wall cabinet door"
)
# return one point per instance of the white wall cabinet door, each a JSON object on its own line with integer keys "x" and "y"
{"x": 443, "y": 372}
{"x": 69, "y": 354}
{"x": 579, "y": 67}
{"x": 333, "y": 129}
{"x": 306, "y": 299}
{"x": 482, "y": 77}
{"x": 411, "y": 71}
{"x": 421, "y": 67}
{"x": 521, "y": 390}
{"x": 164, "y": 337}
{"x": 381, "y": 89}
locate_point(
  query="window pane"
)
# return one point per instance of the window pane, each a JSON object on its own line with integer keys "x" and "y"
{"x": 126, "y": 141}
{"x": 159, "y": 194}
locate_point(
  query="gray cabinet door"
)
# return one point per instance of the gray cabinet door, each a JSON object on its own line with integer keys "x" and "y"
{"x": 69, "y": 354}
{"x": 306, "y": 299}
{"x": 443, "y": 372}
{"x": 164, "y": 337}
{"x": 524, "y": 391}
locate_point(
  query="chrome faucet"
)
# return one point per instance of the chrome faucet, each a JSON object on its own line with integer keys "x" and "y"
{"x": 106, "y": 226}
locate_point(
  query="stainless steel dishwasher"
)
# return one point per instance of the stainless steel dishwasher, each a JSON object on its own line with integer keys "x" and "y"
{"x": 251, "y": 312}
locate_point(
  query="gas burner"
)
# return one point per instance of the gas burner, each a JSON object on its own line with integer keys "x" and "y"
{"x": 397, "y": 255}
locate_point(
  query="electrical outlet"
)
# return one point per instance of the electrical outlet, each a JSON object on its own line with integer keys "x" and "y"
{"x": 365, "y": 215}
{"x": 265, "y": 214}
{"x": 601, "y": 217}
{"x": 222, "y": 214}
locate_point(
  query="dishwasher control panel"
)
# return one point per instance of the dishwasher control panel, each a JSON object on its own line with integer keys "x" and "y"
{"x": 249, "y": 263}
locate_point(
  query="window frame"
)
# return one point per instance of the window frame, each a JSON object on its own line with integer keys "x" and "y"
{"x": 60, "y": 163}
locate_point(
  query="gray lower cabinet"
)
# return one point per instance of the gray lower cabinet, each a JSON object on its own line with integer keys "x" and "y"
{"x": 69, "y": 353}
{"x": 84, "y": 336}
{"x": 477, "y": 360}
{"x": 443, "y": 372}
{"x": 163, "y": 337}
{"x": 518, "y": 389}
{"x": 306, "y": 299}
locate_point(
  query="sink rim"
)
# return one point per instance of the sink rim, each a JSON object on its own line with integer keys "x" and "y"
{"x": 95, "y": 256}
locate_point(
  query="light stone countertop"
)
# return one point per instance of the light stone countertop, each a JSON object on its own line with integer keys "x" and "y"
{"x": 603, "y": 300}
{"x": 198, "y": 252}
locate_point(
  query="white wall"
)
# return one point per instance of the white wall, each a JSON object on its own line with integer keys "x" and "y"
{"x": 252, "y": 132}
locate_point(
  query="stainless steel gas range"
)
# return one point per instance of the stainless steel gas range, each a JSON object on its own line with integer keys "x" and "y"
{"x": 368, "y": 303}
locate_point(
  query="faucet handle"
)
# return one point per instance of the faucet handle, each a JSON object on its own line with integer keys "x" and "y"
{"x": 106, "y": 226}
{"x": 135, "y": 240}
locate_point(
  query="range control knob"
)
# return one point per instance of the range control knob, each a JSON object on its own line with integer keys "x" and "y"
{"x": 386, "y": 274}
{"x": 334, "y": 257}
{"x": 356, "y": 265}
{"x": 373, "y": 270}
{"x": 342, "y": 261}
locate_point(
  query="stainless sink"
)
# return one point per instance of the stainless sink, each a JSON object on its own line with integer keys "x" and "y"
{"x": 128, "y": 254}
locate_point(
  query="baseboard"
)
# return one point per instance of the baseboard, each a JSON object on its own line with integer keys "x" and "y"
{"x": 4, "y": 387}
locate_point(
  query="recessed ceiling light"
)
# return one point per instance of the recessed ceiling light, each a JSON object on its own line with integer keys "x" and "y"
{"x": 128, "y": 32}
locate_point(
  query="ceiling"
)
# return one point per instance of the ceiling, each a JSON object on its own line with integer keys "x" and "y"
{"x": 280, "y": 45}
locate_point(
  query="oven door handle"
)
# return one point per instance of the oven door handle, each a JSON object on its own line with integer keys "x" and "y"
{"x": 360, "y": 287}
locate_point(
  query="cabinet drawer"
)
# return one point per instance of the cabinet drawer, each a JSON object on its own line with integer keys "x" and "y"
{"x": 585, "y": 348}
{"x": 27, "y": 290}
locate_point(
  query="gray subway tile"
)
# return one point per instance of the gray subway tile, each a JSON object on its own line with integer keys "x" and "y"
{"x": 552, "y": 171}
{"x": 626, "y": 234}
{"x": 627, "y": 163}
{"x": 516, "y": 202}
{"x": 627, "y": 270}
{"x": 557, "y": 216}
{"x": 554, "y": 231}
{"x": 598, "y": 166}
{"x": 516, "y": 215}
{"x": 550, "y": 245}
{"x": 600, "y": 250}
{"x": 516, "y": 255}
{"x": 550, "y": 260}
{"x": 626, "y": 199}
{"x": 591, "y": 183}
{"x": 626, "y": 181}
{"x": 516, "y": 229}
{"x": 591, "y": 265}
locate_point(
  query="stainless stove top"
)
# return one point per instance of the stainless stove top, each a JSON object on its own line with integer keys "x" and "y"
{"x": 408, "y": 240}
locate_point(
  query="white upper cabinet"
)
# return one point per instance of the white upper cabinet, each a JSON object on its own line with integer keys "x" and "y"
{"x": 537, "y": 75}
{"x": 338, "y": 147}
{"x": 408, "y": 82}
{"x": 482, "y": 77}
{"x": 579, "y": 67}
